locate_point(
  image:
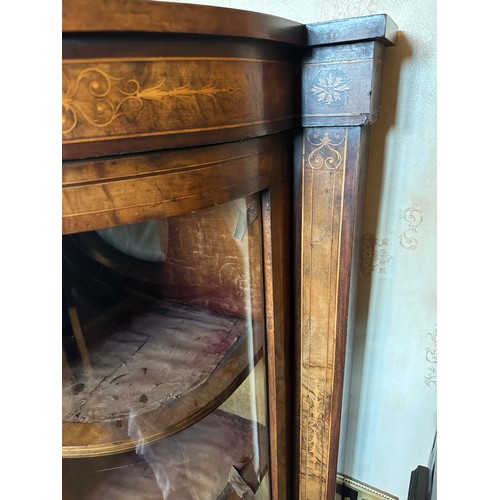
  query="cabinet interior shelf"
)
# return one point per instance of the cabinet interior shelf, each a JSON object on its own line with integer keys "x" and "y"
{"x": 164, "y": 370}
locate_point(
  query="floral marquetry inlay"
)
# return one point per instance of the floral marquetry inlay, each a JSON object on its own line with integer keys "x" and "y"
{"x": 324, "y": 178}
{"x": 327, "y": 149}
{"x": 99, "y": 98}
{"x": 331, "y": 88}
{"x": 316, "y": 407}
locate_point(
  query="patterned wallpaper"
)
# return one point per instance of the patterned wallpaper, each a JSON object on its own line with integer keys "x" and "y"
{"x": 390, "y": 397}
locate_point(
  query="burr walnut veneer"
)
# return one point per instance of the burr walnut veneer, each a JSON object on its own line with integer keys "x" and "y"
{"x": 237, "y": 143}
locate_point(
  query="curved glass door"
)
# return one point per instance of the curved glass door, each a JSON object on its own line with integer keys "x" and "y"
{"x": 164, "y": 371}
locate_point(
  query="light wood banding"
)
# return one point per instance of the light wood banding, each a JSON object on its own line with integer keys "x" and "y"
{"x": 110, "y": 192}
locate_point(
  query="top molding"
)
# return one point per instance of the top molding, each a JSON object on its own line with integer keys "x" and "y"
{"x": 147, "y": 16}
{"x": 152, "y": 16}
{"x": 378, "y": 27}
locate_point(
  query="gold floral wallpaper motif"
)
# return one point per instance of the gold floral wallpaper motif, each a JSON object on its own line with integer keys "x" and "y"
{"x": 431, "y": 356}
{"x": 373, "y": 254}
{"x": 414, "y": 217}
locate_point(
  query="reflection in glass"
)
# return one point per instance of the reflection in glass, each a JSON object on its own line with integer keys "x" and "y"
{"x": 164, "y": 380}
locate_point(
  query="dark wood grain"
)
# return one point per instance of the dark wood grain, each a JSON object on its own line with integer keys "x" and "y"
{"x": 123, "y": 105}
{"x": 169, "y": 17}
{"x": 122, "y": 190}
{"x": 181, "y": 45}
{"x": 143, "y": 76}
{"x": 341, "y": 93}
{"x": 324, "y": 169}
{"x": 354, "y": 194}
{"x": 280, "y": 333}
{"x": 330, "y": 193}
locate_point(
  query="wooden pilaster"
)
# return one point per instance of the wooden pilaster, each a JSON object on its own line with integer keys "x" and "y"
{"x": 341, "y": 78}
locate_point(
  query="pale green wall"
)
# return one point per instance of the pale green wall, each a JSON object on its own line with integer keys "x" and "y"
{"x": 391, "y": 417}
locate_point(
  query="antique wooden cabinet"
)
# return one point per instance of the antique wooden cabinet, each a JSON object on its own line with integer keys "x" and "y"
{"x": 213, "y": 165}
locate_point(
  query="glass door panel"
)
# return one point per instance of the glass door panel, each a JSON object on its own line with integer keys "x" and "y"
{"x": 164, "y": 372}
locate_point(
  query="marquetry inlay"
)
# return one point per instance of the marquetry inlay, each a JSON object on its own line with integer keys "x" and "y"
{"x": 326, "y": 151}
{"x": 98, "y": 98}
{"x": 339, "y": 85}
{"x": 106, "y": 99}
{"x": 323, "y": 174}
{"x": 331, "y": 88}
